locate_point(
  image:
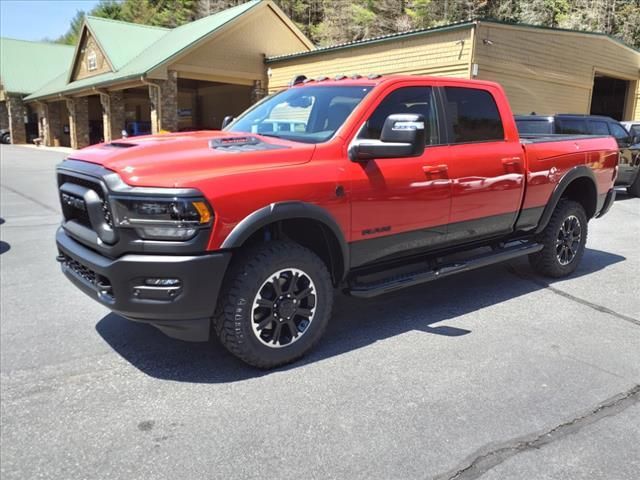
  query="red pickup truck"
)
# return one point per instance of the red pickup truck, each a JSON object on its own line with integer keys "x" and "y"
{"x": 365, "y": 184}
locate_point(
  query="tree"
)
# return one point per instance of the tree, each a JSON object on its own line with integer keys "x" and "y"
{"x": 336, "y": 21}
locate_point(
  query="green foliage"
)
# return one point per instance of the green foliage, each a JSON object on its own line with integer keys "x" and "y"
{"x": 336, "y": 21}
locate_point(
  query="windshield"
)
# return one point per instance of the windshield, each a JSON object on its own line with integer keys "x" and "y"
{"x": 309, "y": 114}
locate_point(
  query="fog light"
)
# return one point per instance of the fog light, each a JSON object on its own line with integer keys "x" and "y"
{"x": 163, "y": 282}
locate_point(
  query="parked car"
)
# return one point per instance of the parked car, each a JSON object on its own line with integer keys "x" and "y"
{"x": 629, "y": 167}
{"x": 250, "y": 233}
{"x": 633, "y": 128}
{"x": 5, "y": 136}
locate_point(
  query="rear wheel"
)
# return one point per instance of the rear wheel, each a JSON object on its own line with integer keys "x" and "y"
{"x": 564, "y": 240}
{"x": 276, "y": 304}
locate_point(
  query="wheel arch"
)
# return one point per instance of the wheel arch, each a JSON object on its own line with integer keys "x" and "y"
{"x": 578, "y": 184}
{"x": 305, "y": 223}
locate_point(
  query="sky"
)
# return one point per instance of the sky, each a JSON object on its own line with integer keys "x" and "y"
{"x": 39, "y": 19}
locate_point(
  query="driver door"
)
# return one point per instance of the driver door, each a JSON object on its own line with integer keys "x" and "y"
{"x": 400, "y": 205}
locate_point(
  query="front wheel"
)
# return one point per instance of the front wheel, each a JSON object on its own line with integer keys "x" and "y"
{"x": 564, "y": 240}
{"x": 276, "y": 304}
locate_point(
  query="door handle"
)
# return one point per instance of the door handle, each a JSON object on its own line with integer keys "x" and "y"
{"x": 431, "y": 169}
{"x": 511, "y": 164}
{"x": 508, "y": 162}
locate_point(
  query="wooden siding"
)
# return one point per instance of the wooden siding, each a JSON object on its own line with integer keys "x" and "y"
{"x": 636, "y": 111}
{"x": 549, "y": 71}
{"x": 88, "y": 45}
{"x": 442, "y": 54}
{"x": 237, "y": 54}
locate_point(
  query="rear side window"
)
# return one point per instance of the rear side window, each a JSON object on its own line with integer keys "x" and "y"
{"x": 599, "y": 128}
{"x": 543, "y": 125}
{"x": 572, "y": 126}
{"x": 473, "y": 115}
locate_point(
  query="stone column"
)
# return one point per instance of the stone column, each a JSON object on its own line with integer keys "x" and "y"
{"x": 4, "y": 116}
{"x": 55, "y": 122}
{"x": 78, "y": 121}
{"x": 164, "y": 104}
{"x": 258, "y": 92}
{"x": 113, "y": 115}
{"x": 44, "y": 131}
{"x": 17, "y": 112}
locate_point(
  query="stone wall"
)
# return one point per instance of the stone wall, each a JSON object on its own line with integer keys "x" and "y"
{"x": 16, "y": 114}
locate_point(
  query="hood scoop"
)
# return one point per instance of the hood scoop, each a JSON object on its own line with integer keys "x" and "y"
{"x": 120, "y": 145}
{"x": 242, "y": 144}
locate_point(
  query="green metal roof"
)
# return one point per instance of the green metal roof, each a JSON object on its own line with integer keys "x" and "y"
{"x": 18, "y": 58}
{"x": 122, "y": 41}
{"x": 164, "y": 49}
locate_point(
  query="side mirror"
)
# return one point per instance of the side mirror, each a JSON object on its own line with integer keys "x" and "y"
{"x": 227, "y": 120}
{"x": 635, "y": 139}
{"x": 403, "y": 135}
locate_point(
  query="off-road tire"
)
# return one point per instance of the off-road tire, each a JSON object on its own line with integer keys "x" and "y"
{"x": 634, "y": 188}
{"x": 233, "y": 319}
{"x": 547, "y": 261}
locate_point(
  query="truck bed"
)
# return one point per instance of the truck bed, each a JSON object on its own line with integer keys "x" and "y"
{"x": 528, "y": 138}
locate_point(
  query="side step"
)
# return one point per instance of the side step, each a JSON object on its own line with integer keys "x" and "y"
{"x": 397, "y": 282}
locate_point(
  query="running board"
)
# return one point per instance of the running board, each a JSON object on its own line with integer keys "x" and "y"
{"x": 391, "y": 284}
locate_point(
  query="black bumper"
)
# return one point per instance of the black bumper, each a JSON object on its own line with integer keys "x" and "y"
{"x": 182, "y": 310}
{"x": 609, "y": 198}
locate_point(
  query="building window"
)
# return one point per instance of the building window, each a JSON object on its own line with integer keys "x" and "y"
{"x": 92, "y": 61}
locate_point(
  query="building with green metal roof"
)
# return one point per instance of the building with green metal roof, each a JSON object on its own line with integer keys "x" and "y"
{"x": 143, "y": 79}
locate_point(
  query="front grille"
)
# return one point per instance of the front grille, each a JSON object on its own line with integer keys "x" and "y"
{"x": 78, "y": 214}
{"x": 99, "y": 282}
{"x": 80, "y": 270}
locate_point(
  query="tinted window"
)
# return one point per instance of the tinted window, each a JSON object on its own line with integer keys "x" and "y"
{"x": 473, "y": 115}
{"x": 599, "y": 128}
{"x": 418, "y": 100}
{"x": 539, "y": 125}
{"x": 618, "y": 131}
{"x": 572, "y": 126}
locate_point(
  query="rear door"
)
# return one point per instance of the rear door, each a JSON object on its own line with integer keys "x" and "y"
{"x": 486, "y": 163}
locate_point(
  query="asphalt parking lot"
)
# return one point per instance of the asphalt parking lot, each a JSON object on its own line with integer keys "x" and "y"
{"x": 494, "y": 374}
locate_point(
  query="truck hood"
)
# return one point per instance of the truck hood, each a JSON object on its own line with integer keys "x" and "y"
{"x": 182, "y": 159}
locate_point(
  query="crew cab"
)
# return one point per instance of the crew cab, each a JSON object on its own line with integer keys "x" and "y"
{"x": 628, "y": 141}
{"x": 382, "y": 183}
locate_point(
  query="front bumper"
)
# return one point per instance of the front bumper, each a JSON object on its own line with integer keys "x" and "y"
{"x": 181, "y": 311}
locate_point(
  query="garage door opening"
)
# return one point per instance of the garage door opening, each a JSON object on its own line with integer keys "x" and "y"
{"x": 203, "y": 105}
{"x": 608, "y": 97}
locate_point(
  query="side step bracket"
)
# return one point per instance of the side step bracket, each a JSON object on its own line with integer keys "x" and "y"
{"x": 397, "y": 282}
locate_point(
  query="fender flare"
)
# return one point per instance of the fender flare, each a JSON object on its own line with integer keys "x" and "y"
{"x": 288, "y": 211}
{"x": 581, "y": 171}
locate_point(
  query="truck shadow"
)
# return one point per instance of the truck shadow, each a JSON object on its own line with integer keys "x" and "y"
{"x": 356, "y": 323}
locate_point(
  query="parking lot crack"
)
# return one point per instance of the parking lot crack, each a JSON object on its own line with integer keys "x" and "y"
{"x": 493, "y": 455}
{"x": 30, "y": 198}
{"x": 586, "y": 303}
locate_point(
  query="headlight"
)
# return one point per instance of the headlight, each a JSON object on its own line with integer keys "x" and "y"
{"x": 170, "y": 218}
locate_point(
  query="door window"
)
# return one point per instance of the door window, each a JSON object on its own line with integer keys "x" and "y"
{"x": 599, "y": 128}
{"x": 618, "y": 131}
{"x": 572, "y": 126}
{"x": 473, "y": 115}
{"x": 417, "y": 100}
